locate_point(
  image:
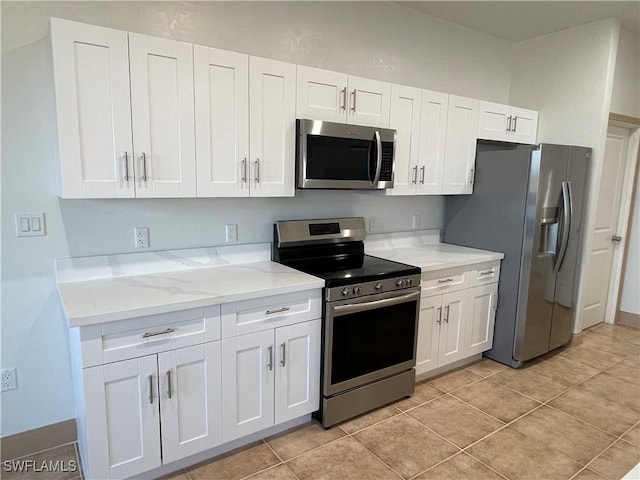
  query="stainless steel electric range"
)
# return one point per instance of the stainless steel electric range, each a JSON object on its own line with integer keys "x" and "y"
{"x": 370, "y": 314}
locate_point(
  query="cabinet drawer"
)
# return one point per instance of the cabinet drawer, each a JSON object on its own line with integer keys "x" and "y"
{"x": 239, "y": 318}
{"x": 114, "y": 341}
{"x": 484, "y": 273}
{"x": 447, "y": 280}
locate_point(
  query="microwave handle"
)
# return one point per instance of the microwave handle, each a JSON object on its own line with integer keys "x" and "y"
{"x": 378, "y": 158}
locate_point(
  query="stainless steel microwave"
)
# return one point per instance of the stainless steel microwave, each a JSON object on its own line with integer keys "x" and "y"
{"x": 340, "y": 156}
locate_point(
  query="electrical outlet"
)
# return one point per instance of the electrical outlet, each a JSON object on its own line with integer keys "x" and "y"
{"x": 415, "y": 223}
{"x": 373, "y": 224}
{"x": 141, "y": 237}
{"x": 8, "y": 379}
{"x": 231, "y": 232}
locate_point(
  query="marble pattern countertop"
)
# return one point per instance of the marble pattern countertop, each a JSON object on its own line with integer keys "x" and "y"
{"x": 423, "y": 249}
{"x": 117, "y": 287}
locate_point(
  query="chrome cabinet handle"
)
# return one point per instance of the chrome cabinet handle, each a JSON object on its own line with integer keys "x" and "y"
{"x": 284, "y": 353}
{"x": 446, "y": 311}
{"x": 489, "y": 272}
{"x": 415, "y": 174}
{"x": 471, "y": 176}
{"x": 256, "y": 166}
{"x": 509, "y": 123}
{"x": 169, "y": 383}
{"x": 353, "y": 105}
{"x": 344, "y": 99}
{"x": 244, "y": 170}
{"x": 151, "y": 388}
{"x": 446, "y": 280}
{"x": 277, "y": 310}
{"x": 126, "y": 167}
{"x": 422, "y": 168}
{"x": 515, "y": 122}
{"x": 270, "y": 362}
{"x": 144, "y": 167}
{"x": 439, "y": 320}
{"x": 616, "y": 238}
{"x": 160, "y": 332}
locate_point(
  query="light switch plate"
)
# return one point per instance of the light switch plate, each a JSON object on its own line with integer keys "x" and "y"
{"x": 30, "y": 224}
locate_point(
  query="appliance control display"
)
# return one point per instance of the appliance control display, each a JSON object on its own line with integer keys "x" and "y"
{"x": 324, "y": 228}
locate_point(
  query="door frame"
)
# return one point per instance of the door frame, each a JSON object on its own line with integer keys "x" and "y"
{"x": 628, "y": 184}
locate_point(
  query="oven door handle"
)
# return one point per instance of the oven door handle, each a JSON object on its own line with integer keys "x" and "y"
{"x": 365, "y": 306}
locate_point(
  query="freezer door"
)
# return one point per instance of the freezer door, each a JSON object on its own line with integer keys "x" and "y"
{"x": 541, "y": 245}
{"x": 567, "y": 276}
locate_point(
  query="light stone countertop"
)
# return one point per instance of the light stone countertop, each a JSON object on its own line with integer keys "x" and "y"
{"x": 423, "y": 249}
{"x": 103, "y": 289}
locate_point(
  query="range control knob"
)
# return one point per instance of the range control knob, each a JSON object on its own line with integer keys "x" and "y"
{"x": 399, "y": 282}
{"x": 378, "y": 286}
{"x": 409, "y": 282}
{"x": 345, "y": 292}
{"x": 356, "y": 290}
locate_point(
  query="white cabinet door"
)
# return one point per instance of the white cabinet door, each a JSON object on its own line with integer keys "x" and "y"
{"x": 369, "y": 102}
{"x": 494, "y": 121}
{"x": 405, "y": 119}
{"x": 221, "y": 82}
{"x": 162, "y": 110}
{"x": 272, "y": 126}
{"x": 452, "y": 329}
{"x": 191, "y": 401}
{"x": 428, "y": 333}
{"x": 433, "y": 135}
{"x": 247, "y": 384}
{"x": 321, "y": 95}
{"x": 91, "y": 70}
{"x": 122, "y": 418}
{"x": 524, "y": 125}
{"x": 297, "y": 383}
{"x": 481, "y": 319}
{"x": 460, "y": 152}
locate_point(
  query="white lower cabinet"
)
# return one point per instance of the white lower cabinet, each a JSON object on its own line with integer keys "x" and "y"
{"x": 456, "y": 322}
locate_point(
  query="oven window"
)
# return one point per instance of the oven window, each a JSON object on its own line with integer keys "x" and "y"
{"x": 365, "y": 342}
{"x": 331, "y": 158}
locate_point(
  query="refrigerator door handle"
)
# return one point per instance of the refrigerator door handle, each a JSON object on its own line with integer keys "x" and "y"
{"x": 567, "y": 205}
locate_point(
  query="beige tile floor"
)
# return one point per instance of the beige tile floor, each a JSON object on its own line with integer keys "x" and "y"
{"x": 574, "y": 414}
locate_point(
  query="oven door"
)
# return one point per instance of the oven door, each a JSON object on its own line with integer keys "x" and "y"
{"x": 369, "y": 338}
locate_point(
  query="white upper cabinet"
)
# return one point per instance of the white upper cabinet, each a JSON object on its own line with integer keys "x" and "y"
{"x": 163, "y": 119}
{"x": 337, "y": 97}
{"x": 460, "y": 149}
{"x": 125, "y": 113}
{"x": 507, "y": 124}
{"x": 433, "y": 135}
{"x": 91, "y": 70}
{"x": 272, "y": 125}
{"x": 405, "y": 119}
{"x": 222, "y": 122}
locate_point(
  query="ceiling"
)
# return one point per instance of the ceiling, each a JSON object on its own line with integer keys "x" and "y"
{"x": 519, "y": 20}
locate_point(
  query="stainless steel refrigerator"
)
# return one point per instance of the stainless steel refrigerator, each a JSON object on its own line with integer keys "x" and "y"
{"x": 527, "y": 202}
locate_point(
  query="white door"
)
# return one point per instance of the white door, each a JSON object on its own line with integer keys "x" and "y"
{"x": 481, "y": 319}
{"x": 91, "y": 70}
{"x": 122, "y": 418}
{"x": 162, "y": 110}
{"x": 221, "y": 82}
{"x": 321, "y": 95}
{"x": 405, "y": 119}
{"x": 247, "y": 384}
{"x": 272, "y": 127}
{"x": 598, "y": 273}
{"x": 454, "y": 317}
{"x": 433, "y": 136}
{"x": 524, "y": 125}
{"x": 494, "y": 120}
{"x": 297, "y": 367}
{"x": 460, "y": 151}
{"x": 428, "y": 333}
{"x": 191, "y": 400}
{"x": 369, "y": 102}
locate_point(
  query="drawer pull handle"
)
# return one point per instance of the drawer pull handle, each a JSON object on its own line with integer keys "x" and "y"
{"x": 161, "y": 332}
{"x": 446, "y": 280}
{"x": 277, "y": 310}
{"x": 151, "y": 388}
{"x": 487, "y": 273}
